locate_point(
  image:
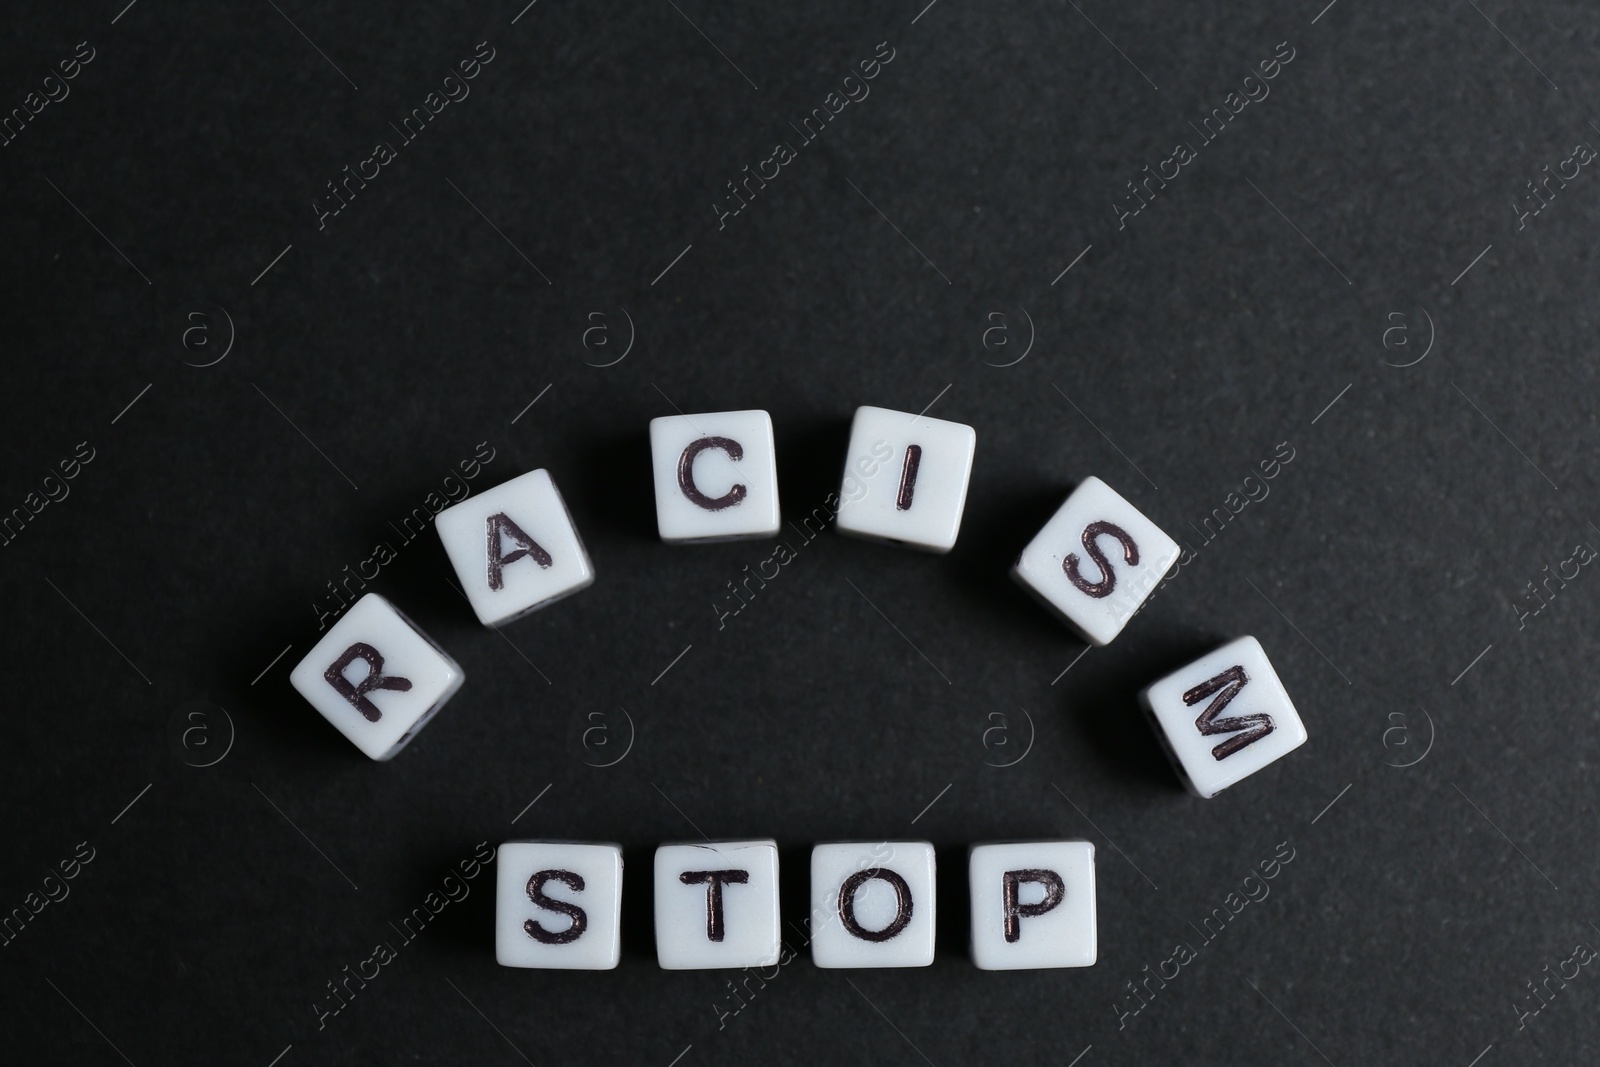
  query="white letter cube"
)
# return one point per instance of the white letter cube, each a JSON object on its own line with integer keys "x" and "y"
{"x": 376, "y": 677}
{"x": 1032, "y": 905}
{"x": 1095, "y": 562}
{"x": 905, "y": 479}
{"x": 514, "y": 548}
{"x": 872, "y": 904}
{"x": 1223, "y": 717}
{"x": 558, "y": 905}
{"x": 717, "y": 905}
{"x": 716, "y": 476}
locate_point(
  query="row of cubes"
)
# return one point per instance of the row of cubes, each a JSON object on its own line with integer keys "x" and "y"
{"x": 558, "y": 905}
{"x": 515, "y": 549}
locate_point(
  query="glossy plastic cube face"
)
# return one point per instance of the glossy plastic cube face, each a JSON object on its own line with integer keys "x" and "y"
{"x": 1033, "y": 905}
{"x": 905, "y": 479}
{"x": 376, "y": 677}
{"x": 514, "y": 548}
{"x": 1095, "y": 562}
{"x": 1224, "y": 717}
{"x": 873, "y": 904}
{"x": 716, "y": 476}
{"x": 717, "y": 905}
{"x": 558, "y": 905}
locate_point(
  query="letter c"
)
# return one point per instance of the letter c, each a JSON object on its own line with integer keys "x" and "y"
{"x": 734, "y": 451}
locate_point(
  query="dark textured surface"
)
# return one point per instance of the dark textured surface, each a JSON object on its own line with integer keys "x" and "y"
{"x": 1393, "y": 550}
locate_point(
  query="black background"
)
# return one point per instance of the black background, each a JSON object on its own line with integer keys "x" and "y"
{"x": 1221, "y": 321}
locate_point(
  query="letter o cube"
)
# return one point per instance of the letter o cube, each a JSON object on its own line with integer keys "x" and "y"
{"x": 376, "y": 677}
{"x": 1033, "y": 905}
{"x": 1223, "y": 717}
{"x": 1095, "y": 562}
{"x": 905, "y": 479}
{"x": 558, "y": 905}
{"x": 716, "y": 476}
{"x": 514, "y": 548}
{"x": 717, "y": 905}
{"x": 872, "y": 904}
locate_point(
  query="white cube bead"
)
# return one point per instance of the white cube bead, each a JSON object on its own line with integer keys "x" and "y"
{"x": 514, "y": 548}
{"x": 1096, "y": 561}
{"x": 558, "y": 905}
{"x": 905, "y": 479}
{"x": 376, "y": 677}
{"x": 872, "y": 904}
{"x": 1224, "y": 717}
{"x": 716, "y": 476}
{"x": 1032, "y": 905}
{"x": 717, "y": 905}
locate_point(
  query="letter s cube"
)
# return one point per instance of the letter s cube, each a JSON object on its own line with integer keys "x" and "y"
{"x": 377, "y": 677}
{"x": 558, "y": 905}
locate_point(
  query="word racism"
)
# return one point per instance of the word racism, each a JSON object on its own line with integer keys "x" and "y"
{"x": 1539, "y": 596}
{"x": 52, "y": 890}
{"x": 1255, "y": 91}
{"x": 1542, "y": 994}
{"x": 1142, "y": 995}
{"x": 55, "y": 491}
{"x": 410, "y": 128}
{"x": 855, "y": 91}
{"x": 1537, "y": 200}
{"x": 454, "y": 890}
{"x": 55, "y": 90}
{"x": 341, "y": 595}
